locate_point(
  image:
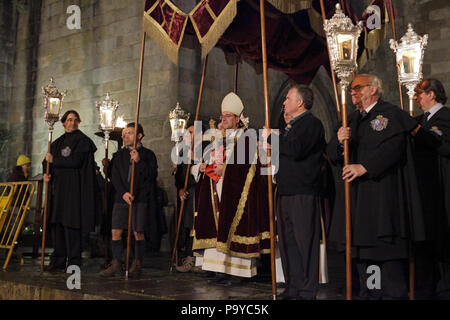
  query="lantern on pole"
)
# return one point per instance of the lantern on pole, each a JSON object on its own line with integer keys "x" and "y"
{"x": 107, "y": 116}
{"x": 107, "y": 109}
{"x": 52, "y": 103}
{"x": 342, "y": 38}
{"x": 178, "y": 122}
{"x": 409, "y": 56}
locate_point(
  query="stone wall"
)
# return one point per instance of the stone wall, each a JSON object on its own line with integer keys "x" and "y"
{"x": 8, "y": 17}
{"x": 430, "y": 17}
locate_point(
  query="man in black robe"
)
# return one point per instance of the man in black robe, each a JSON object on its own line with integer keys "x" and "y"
{"x": 385, "y": 205}
{"x": 144, "y": 198}
{"x": 432, "y": 159}
{"x": 72, "y": 197}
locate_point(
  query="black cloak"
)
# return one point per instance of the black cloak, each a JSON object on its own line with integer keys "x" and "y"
{"x": 385, "y": 203}
{"x": 72, "y": 186}
{"x": 432, "y": 157}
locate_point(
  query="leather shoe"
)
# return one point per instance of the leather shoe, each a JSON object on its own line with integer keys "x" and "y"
{"x": 287, "y": 295}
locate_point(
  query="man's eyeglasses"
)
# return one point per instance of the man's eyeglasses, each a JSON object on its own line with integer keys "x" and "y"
{"x": 357, "y": 88}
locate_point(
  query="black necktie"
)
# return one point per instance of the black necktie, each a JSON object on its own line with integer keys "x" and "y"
{"x": 424, "y": 118}
{"x": 363, "y": 114}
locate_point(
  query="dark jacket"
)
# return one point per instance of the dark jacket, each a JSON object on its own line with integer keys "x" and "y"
{"x": 16, "y": 175}
{"x": 301, "y": 157}
{"x": 144, "y": 189}
{"x": 432, "y": 159}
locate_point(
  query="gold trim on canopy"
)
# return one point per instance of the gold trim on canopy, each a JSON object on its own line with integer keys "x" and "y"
{"x": 217, "y": 28}
{"x": 159, "y": 34}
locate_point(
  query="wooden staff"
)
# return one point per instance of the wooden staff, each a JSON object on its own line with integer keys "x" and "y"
{"x": 333, "y": 75}
{"x": 236, "y": 71}
{"x": 136, "y": 125}
{"x": 44, "y": 222}
{"x": 348, "y": 235}
{"x": 394, "y": 34}
{"x": 267, "y": 123}
{"x": 37, "y": 219}
{"x": 343, "y": 117}
{"x": 400, "y": 91}
{"x": 186, "y": 179}
{"x": 105, "y": 209}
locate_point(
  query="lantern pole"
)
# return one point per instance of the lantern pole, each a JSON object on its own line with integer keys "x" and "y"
{"x": 409, "y": 55}
{"x": 107, "y": 109}
{"x": 342, "y": 39}
{"x": 51, "y": 96}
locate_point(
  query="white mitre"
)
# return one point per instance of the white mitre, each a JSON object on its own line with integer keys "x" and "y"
{"x": 232, "y": 103}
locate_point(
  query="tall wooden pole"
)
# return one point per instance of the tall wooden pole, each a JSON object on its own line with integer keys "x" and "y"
{"x": 105, "y": 209}
{"x": 394, "y": 35}
{"x": 267, "y": 123}
{"x": 348, "y": 234}
{"x": 411, "y": 112}
{"x": 136, "y": 125}
{"x": 236, "y": 72}
{"x": 44, "y": 219}
{"x": 188, "y": 169}
{"x": 333, "y": 75}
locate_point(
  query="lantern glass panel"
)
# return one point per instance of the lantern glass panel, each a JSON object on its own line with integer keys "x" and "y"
{"x": 409, "y": 60}
{"x": 106, "y": 118}
{"x": 54, "y": 106}
{"x": 345, "y": 45}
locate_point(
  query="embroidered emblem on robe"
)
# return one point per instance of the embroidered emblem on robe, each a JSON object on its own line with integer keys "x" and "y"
{"x": 379, "y": 123}
{"x": 66, "y": 152}
{"x": 436, "y": 130}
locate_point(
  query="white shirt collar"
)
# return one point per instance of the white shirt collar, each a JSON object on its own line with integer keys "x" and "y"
{"x": 370, "y": 107}
{"x": 434, "y": 109}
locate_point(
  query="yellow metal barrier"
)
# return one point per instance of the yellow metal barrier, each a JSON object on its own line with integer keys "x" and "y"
{"x": 5, "y": 200}
{"x": 19, "y": 196}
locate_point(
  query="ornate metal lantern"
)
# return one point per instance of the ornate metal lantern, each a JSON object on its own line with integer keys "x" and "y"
{"x": 409, "y": 56}
{"x": 52, "y": 102}
{"x": 107, "y": 116}
{"x": 342, "y": 37}
{"x": 178, "y": 122}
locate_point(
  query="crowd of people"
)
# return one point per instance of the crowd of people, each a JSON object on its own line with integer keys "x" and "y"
{"x": 399, "y": 177}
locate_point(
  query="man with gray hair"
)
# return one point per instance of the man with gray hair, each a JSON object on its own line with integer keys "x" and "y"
{"x": 301, "y": 149}
{"x": 385, "y": 203}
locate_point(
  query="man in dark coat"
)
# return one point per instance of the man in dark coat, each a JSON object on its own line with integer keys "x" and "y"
{"x": 143, "y": 198}
{"x": 72, "y": 197}
{"x": 385, "y": 205}
{"x": 432, "y": 158}
{"x": 301, "y": 149}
